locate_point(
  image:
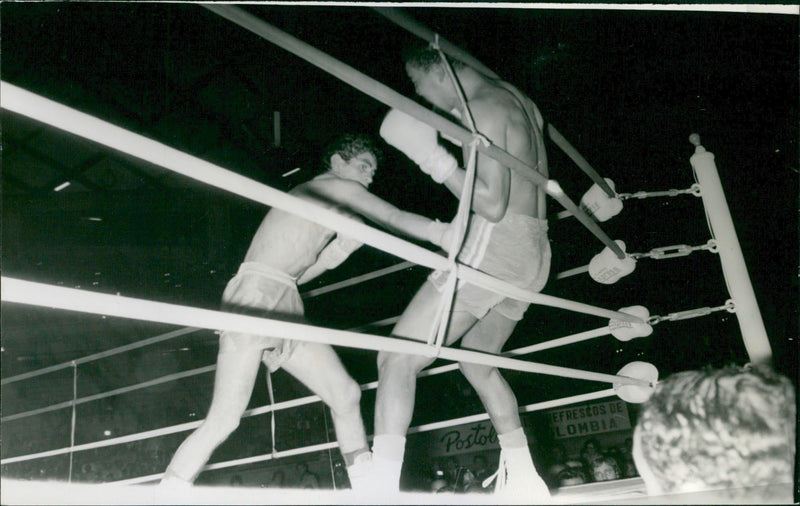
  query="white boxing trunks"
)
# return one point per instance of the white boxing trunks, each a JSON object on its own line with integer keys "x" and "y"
{"x": 260, "y": 290}
{"x": 515, "y": 249}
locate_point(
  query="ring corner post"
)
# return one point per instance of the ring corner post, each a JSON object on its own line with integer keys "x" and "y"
{"x": 734, "y": 268}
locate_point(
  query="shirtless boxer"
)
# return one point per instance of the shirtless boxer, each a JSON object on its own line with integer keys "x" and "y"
{"x": 507, "y": 238}
{"x": 286, "y": 251}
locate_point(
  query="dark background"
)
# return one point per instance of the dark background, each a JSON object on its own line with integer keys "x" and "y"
{"x": 625, "y": 87}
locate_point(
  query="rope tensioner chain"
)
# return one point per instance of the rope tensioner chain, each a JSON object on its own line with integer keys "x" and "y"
{"x": 693, "y": 190}
{"x": 729, "y": 306}
{"x": 678, "y": 250}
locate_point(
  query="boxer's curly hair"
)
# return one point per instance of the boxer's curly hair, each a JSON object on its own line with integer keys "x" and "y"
{"x": 724, "y": 428}
{"x": 350, "y": 145}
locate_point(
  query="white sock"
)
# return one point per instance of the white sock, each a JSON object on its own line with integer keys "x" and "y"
{"x": 387, "y": 460}
{"x": 515, "y": 445}
{"x": 514, "y": 439}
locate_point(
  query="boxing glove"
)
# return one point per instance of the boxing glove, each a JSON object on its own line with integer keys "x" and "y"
{"x": 418, "y": 141}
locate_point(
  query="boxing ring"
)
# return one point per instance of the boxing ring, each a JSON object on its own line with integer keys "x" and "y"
{"x": 632, "y": 383}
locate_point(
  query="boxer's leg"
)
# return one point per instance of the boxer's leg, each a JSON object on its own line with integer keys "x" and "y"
{"x": 233, "y": 385}
{"x": 517, "y": 474}
{"x": 318, "y": 367}
{"x": 397, "y": 380}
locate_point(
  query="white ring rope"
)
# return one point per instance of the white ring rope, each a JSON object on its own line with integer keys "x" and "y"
{"x": 103, "y": 354}
{"x": 73, "y": 417}
{"x": 404, "y": 21}
{"x": 573, "y": 272}
{"x": 180, "y": 332}
{"x": 110, "y": 393}
{"x": 356, "y": 280}
{"x": 562, "y": 341}
{"x": 538, "y": 406}
{"x": 47, "y": 111}
{"x": 393, "y": 99}
{"x": 68, "y": 298}
{"x": 375, "y": 238}
{"x": 659, "y": 253}
{"x": 39, "y": 294}
{"x": 461, "y": 220}
{"x": 421, "y": 256}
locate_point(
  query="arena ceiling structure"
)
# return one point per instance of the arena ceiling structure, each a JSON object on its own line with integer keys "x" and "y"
{"x": 625, "y": 87}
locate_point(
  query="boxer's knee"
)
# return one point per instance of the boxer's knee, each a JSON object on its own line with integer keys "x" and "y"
{"x": 345, "y": 397}
{"x": 476, "y": 374}
{"x": 221, "y": 425}
{"x": 393, "y": 364}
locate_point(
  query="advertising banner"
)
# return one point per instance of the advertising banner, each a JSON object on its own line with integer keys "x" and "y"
{"x": 463, "y": 439}
{"x": 587, "y": 419}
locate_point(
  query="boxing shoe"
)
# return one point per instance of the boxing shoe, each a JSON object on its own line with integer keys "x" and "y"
{"x": 517, "y": 481}
{"x": 174, "y": 483}
{"x": 360, "y": 474}
{"x": 372, "y": 476}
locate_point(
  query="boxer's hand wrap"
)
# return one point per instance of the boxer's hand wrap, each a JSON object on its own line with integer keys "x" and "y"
{"x": 434, "y": 232}
{"x": 440, "y": 234}
{"x": 440, "y": 164}
{"x": 418, "y": 141}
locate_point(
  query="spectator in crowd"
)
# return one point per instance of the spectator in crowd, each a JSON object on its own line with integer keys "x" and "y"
{"x": 438, "y": 482}
{"x": 278, "y": 479}
{"x": 627, "y": 465}
{"x": 605, "y": 468}
{"x": 558, "y": 457}
{"x": 590, "y": 451}
{"x": 340, "y": 479}
{"x": 452, "y": 471}
{"x": 468, "y": 482}
{"x": 450, "y": 476}
{"x": 480, "y": 469}
{"x": 571, "y": 476}
{"x": 305, "y": 478}
{"x": 731, "y": 429}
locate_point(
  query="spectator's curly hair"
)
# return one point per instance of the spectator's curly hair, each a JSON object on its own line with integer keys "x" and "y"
{"x": 350, "y": 145}
{"x": 722, "y": 428}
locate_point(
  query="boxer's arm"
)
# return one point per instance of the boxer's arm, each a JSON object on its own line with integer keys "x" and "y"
{"x": 359, "y": 200}
{"x": 492, "y": 180}
{"x": 332, "y": 256}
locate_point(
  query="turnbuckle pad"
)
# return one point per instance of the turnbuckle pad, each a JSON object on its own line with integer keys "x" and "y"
{"x": 607, "y": 268}
{"x": 625, "y": 331}
{"x": 637, "y": 394}
{"x": 599, "y": 205}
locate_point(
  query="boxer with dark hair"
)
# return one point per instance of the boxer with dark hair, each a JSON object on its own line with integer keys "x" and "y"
{"x": 286, "y": 251}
